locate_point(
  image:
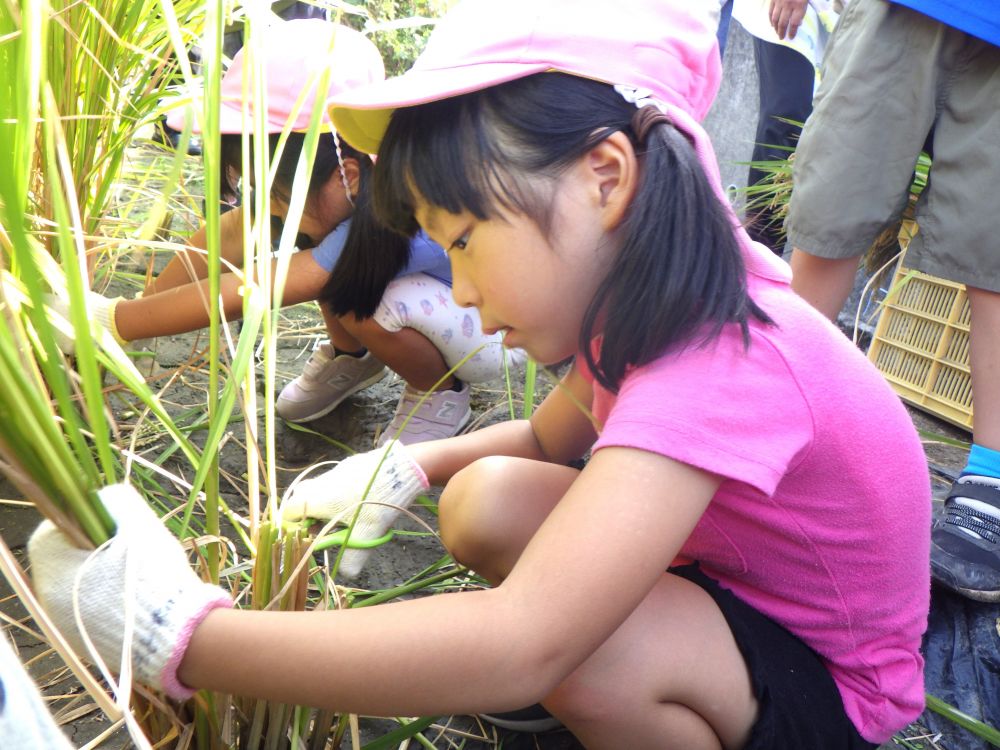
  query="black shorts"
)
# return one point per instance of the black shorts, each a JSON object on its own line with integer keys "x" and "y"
{"x": 800, "y": 705}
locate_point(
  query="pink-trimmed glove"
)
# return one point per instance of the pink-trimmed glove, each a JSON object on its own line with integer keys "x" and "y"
{"x": 142, "y": 564}
{"x": 336, "y": 494}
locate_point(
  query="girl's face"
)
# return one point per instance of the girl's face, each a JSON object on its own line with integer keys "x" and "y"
{"x": 326, "y": 208}
{"x": 534, "y": 286}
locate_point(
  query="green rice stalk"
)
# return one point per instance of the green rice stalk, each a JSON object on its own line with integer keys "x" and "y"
{"x": 530, "y": 377}
{"x": 209, "y": 469}
{"x": 73, "y": 254}
{"x": 395, "y": 737}
{"x": 978, "y": 728}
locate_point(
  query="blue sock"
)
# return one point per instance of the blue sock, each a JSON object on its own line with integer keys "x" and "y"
{"x": 983, "y": 462}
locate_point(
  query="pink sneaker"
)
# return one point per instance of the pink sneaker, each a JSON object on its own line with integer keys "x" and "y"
{"x": 325, "y": 382}
{"x": 442, "y": 415}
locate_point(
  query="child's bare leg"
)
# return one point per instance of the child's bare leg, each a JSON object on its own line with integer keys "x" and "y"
{"x": 189, "y": 265}
{"x": 407, "y": 352}
{"x": 336, "y": 332}
{"x": 488, "y": 533}
{"x": 671, "y": 676}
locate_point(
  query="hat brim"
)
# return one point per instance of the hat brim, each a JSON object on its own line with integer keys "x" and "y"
{"x": 230, "y": 122}
{"x": 361, "y": 116}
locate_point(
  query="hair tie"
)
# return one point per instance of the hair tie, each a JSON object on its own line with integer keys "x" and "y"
{"x": 645, "y": 119}
{"x": 343, "y": 172}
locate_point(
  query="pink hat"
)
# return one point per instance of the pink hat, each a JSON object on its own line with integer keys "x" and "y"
{"x": 662, "y": 52}
{"x": 295, "y": 54}
{"x": 668, "y": 47}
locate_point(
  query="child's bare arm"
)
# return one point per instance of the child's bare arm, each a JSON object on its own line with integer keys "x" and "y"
{"x": 629, "y": 512}
{"x": 185, "y": 308}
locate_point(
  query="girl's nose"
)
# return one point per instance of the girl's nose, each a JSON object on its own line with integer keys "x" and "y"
{"x": 462, "y": 288}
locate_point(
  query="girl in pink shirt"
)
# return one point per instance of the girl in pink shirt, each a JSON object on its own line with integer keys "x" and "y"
{"x": 742, "y": 562}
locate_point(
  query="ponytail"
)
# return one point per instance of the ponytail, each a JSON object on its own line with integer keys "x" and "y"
{"x": 679, "y": 275}
{"x": 373, "y": 255}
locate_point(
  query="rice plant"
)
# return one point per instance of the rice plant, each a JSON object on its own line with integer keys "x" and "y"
{"x": 79, "y": 81}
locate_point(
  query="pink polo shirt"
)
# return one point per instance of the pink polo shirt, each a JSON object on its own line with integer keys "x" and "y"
{"x": 822, "y": 519}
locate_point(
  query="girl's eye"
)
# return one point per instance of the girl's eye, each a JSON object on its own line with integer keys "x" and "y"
{"x": 461, "y": 243}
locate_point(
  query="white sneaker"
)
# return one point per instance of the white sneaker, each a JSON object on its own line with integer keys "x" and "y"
{"x": 325, "y": 382}
{"x": 442, "y": 415}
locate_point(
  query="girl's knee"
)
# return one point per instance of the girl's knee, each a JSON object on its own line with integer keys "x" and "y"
{"x": 469, "y": 512}
{"x": 577, "y": 701}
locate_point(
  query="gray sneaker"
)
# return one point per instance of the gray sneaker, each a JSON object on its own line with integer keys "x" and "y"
{"x": 442, "y": 415}
{"x": 325, "y": 382}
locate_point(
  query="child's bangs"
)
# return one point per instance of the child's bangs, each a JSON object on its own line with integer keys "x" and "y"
{"x": 442, "y": 153}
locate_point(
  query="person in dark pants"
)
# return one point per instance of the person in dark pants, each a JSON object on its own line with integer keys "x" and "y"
{"x": 786, "y": 75}
{"x": 785, "y": 88}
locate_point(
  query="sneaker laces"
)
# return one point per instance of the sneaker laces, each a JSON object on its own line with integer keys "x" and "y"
{"x": 984, "y": 525}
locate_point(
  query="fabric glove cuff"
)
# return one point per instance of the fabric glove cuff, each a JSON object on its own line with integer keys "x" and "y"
{"x": 204, "y": 602}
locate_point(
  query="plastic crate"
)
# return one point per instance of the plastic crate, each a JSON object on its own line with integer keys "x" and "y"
{"x": 921, "y": 345}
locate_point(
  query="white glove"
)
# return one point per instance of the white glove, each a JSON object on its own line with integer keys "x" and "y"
{"x": 101, "y": 313}
{"x": 336, "y": 494}
{"x": 143, "y": 574}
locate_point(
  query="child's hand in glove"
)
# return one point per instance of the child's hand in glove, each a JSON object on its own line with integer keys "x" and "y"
{"x": 102, "y": 315}
{"x": 141, "y": 573}
{"x": 335, "y": 494}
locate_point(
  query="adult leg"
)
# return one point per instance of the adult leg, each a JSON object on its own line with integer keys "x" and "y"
{"x": 670, "y": 676}
{"x": 841, "y": 202}
{"x": 825, "y": 283}
{"x": 984, "y": 363}
{"x": 965, "y": 553}
{"x": 956, "y": 242}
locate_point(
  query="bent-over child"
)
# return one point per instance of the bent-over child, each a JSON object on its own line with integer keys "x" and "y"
{"x": 385, "y": 300}
{"x": 742, "y": 562}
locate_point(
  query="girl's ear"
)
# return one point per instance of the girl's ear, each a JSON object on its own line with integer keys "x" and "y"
{"x": 614, "y": 169}
{"x": 352, "y": 172}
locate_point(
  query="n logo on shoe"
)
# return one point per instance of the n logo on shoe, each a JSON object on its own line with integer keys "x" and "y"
{"x": 446, "y": 410}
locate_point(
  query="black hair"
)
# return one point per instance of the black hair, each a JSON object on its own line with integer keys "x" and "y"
{"x": 679, "y": 276}
{"x": 325, "y": 163}
{"x": 372, "y": 255}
